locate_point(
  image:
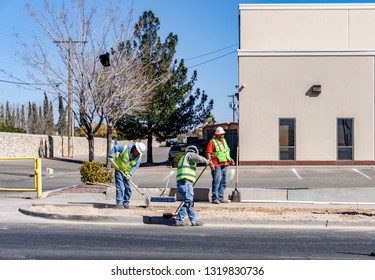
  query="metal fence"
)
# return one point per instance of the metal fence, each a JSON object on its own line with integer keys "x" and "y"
{"x": 37, "y": 176}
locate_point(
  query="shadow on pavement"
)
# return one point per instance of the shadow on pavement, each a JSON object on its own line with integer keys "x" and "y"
{"x": 157, "y": 220}
{"x": 72, "y": 160}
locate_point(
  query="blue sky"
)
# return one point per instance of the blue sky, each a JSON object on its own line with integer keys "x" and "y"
{"x": 208, "y": 41}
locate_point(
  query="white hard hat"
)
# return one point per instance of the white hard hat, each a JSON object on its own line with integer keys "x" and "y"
{"x": 219, "y": 130}
{"x": 141, "y": 148}
{"x": 193, "y": 149}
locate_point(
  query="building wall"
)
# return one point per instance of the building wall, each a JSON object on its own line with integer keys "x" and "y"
{"x": 285, "y": 49}
{"x": 307, "y": 27}
{"x": 276, "y": 92}
{"x": 30, "y": 145}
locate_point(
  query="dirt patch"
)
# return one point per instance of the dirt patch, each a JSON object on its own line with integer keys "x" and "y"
{"x": 83, "y": 188}
{"x": 102, "y": 209}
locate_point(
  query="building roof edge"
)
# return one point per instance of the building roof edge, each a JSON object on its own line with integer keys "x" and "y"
{"x": 343, "y": 6}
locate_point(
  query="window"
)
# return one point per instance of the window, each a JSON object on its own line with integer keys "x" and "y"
{"x": 287, "y": 139}
{"x": 345, "y": 139}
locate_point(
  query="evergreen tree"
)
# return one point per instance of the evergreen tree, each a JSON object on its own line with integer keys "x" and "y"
{"x": 40, "y": 121}
{"x": 50, "y": 120}
{"x": 17, "y": 116}
{"x": 2, "y": 114}
{"x": 47, "y": 118}
{"x": 29, "y": 119}
{"x": 61, "y": 125}
{"x": 33, "y": 119}
{"x": 9, "y": 119}
{"x": 9, "y": 115}
{"x": 23, "y": 118}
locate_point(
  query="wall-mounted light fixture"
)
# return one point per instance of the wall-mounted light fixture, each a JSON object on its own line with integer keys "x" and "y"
{"x": 316, "y": 89}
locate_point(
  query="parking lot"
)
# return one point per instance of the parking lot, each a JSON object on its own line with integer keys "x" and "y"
{"x": 299, "y": 178}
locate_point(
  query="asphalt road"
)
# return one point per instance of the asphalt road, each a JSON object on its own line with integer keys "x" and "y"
{"x": 115, "y": 242}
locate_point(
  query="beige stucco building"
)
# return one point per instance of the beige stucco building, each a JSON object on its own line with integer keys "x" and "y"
{"x": 306, "y": 80}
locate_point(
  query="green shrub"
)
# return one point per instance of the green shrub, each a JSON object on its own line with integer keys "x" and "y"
{"x": 94, "y": 172}
{"x": 176, "y": 158}
{"x": 9, "y": 128}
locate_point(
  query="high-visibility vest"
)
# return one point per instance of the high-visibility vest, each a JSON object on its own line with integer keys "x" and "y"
{"x": 222, "y": 152}
{"x": 185, "y": 170}
{"x": 123, "y": 161}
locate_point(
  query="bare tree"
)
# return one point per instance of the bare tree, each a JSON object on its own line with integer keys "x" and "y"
{"x": 67, "y": 58}
{"x": 126, "y": 89}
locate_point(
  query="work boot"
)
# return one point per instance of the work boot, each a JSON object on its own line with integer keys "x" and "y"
{"x": 119, "y": 206}
{"x": 180, "y": 224}
{"x": 196, "y": 223}
{"x": 216, "y": 202}
{"x": 126, "y": 205}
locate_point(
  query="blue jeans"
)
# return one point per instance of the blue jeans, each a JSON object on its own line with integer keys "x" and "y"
{"x": 185, "y": 188}
{"x": 219, "y": 182}
{"x": 123, "y": 190}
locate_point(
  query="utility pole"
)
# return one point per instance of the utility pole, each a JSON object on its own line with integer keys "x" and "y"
{"x": 70, "y": 43}
{"x": 233, "y": 105}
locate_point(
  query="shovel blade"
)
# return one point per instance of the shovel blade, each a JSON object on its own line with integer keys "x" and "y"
{"x": 146, "y": 200}
{"x": 236, "y": 196}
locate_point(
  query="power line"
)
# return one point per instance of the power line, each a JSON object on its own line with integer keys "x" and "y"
{"x": 29, "y": 86}
{"x": 211, "y": 52}
{"x": 21, "y": 83}
{"x": 16, "y": 30}
{"x": 212, "y": 59}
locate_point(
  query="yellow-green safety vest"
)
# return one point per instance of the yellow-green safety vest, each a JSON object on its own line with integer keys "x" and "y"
{"x": 123, "y": 160}
{"x": 185, "y": 170}
{"x": 222, "y": 152}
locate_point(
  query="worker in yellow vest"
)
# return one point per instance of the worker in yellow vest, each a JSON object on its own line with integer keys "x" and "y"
{"x": 128, "y": 160}
{"x": 218, "y": 151}
{"x": 186, "y": 176}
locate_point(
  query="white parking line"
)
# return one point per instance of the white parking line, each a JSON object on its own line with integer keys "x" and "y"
{"x": 296, "y": 173}
{"x": 368, "y": 177}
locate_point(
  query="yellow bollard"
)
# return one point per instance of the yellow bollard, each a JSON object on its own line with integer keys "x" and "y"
{"x": 38, "y": 177}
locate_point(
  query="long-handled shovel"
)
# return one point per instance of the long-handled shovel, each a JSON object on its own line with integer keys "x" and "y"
{"x": 236, "y": 195}
{"x": 145, "y": 197}
{"x": 170, "y": 215}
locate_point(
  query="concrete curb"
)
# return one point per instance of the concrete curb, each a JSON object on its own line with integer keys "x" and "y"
{"x": 92, "y": 218}
{"x": 359, "y": 195}
{"x": 159, "y": 220}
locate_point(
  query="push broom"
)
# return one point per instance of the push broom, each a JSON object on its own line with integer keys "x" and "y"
{"x": 162, "y": 197}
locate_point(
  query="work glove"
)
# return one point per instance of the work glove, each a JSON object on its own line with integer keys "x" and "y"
{"x": 110, "y": 159}
{"x": 127, "y": 176}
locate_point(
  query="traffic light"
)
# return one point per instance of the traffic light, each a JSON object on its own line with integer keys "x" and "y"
{"x": 104, "y": 59}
